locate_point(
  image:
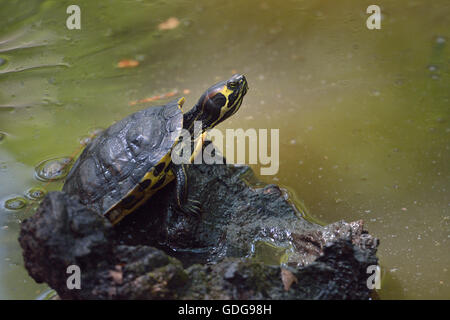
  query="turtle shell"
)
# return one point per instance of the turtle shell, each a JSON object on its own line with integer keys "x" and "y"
{"x": 118, "y": 162}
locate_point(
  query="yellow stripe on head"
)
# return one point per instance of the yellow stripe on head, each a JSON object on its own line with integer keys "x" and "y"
{"x": 180, "y": 103}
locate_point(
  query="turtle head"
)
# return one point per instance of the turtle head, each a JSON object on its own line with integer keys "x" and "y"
{"x": 221, "y": 100}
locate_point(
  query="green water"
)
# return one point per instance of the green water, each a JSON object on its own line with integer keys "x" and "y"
{"x": 363, "y": 114}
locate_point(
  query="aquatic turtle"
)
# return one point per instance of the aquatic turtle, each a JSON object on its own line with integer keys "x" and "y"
{"x": 132, "y": 159}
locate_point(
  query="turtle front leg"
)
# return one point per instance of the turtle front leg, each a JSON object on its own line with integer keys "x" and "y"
{"x": 186, "y": 205}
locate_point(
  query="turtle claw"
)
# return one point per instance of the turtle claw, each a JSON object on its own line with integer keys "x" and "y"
{"x": 192, "y": 207}
{"x": 194, "y": 202}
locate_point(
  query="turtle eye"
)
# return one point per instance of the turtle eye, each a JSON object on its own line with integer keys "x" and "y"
{"x": 232, "y": 84}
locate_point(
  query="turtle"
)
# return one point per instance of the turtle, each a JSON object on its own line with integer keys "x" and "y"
{"x": 127, "y": 163}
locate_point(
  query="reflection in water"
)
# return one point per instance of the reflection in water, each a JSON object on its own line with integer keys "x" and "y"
{"x": 363, "y": 115}
{"x": 53, "y": 169}
{"x": 16, "y": 203}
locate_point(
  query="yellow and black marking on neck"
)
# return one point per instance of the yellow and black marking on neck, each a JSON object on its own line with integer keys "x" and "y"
{"x": 180, "y": 103}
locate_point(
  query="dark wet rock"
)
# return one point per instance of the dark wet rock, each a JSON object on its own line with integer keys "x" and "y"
{"x": 159, "y": 253}
{"x": 234, "y": 215}
{"x": 61, "y": 233}
{"x": 337, "y": 274}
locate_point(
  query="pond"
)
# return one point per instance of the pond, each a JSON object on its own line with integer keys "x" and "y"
{"x": 363, "y": 115}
